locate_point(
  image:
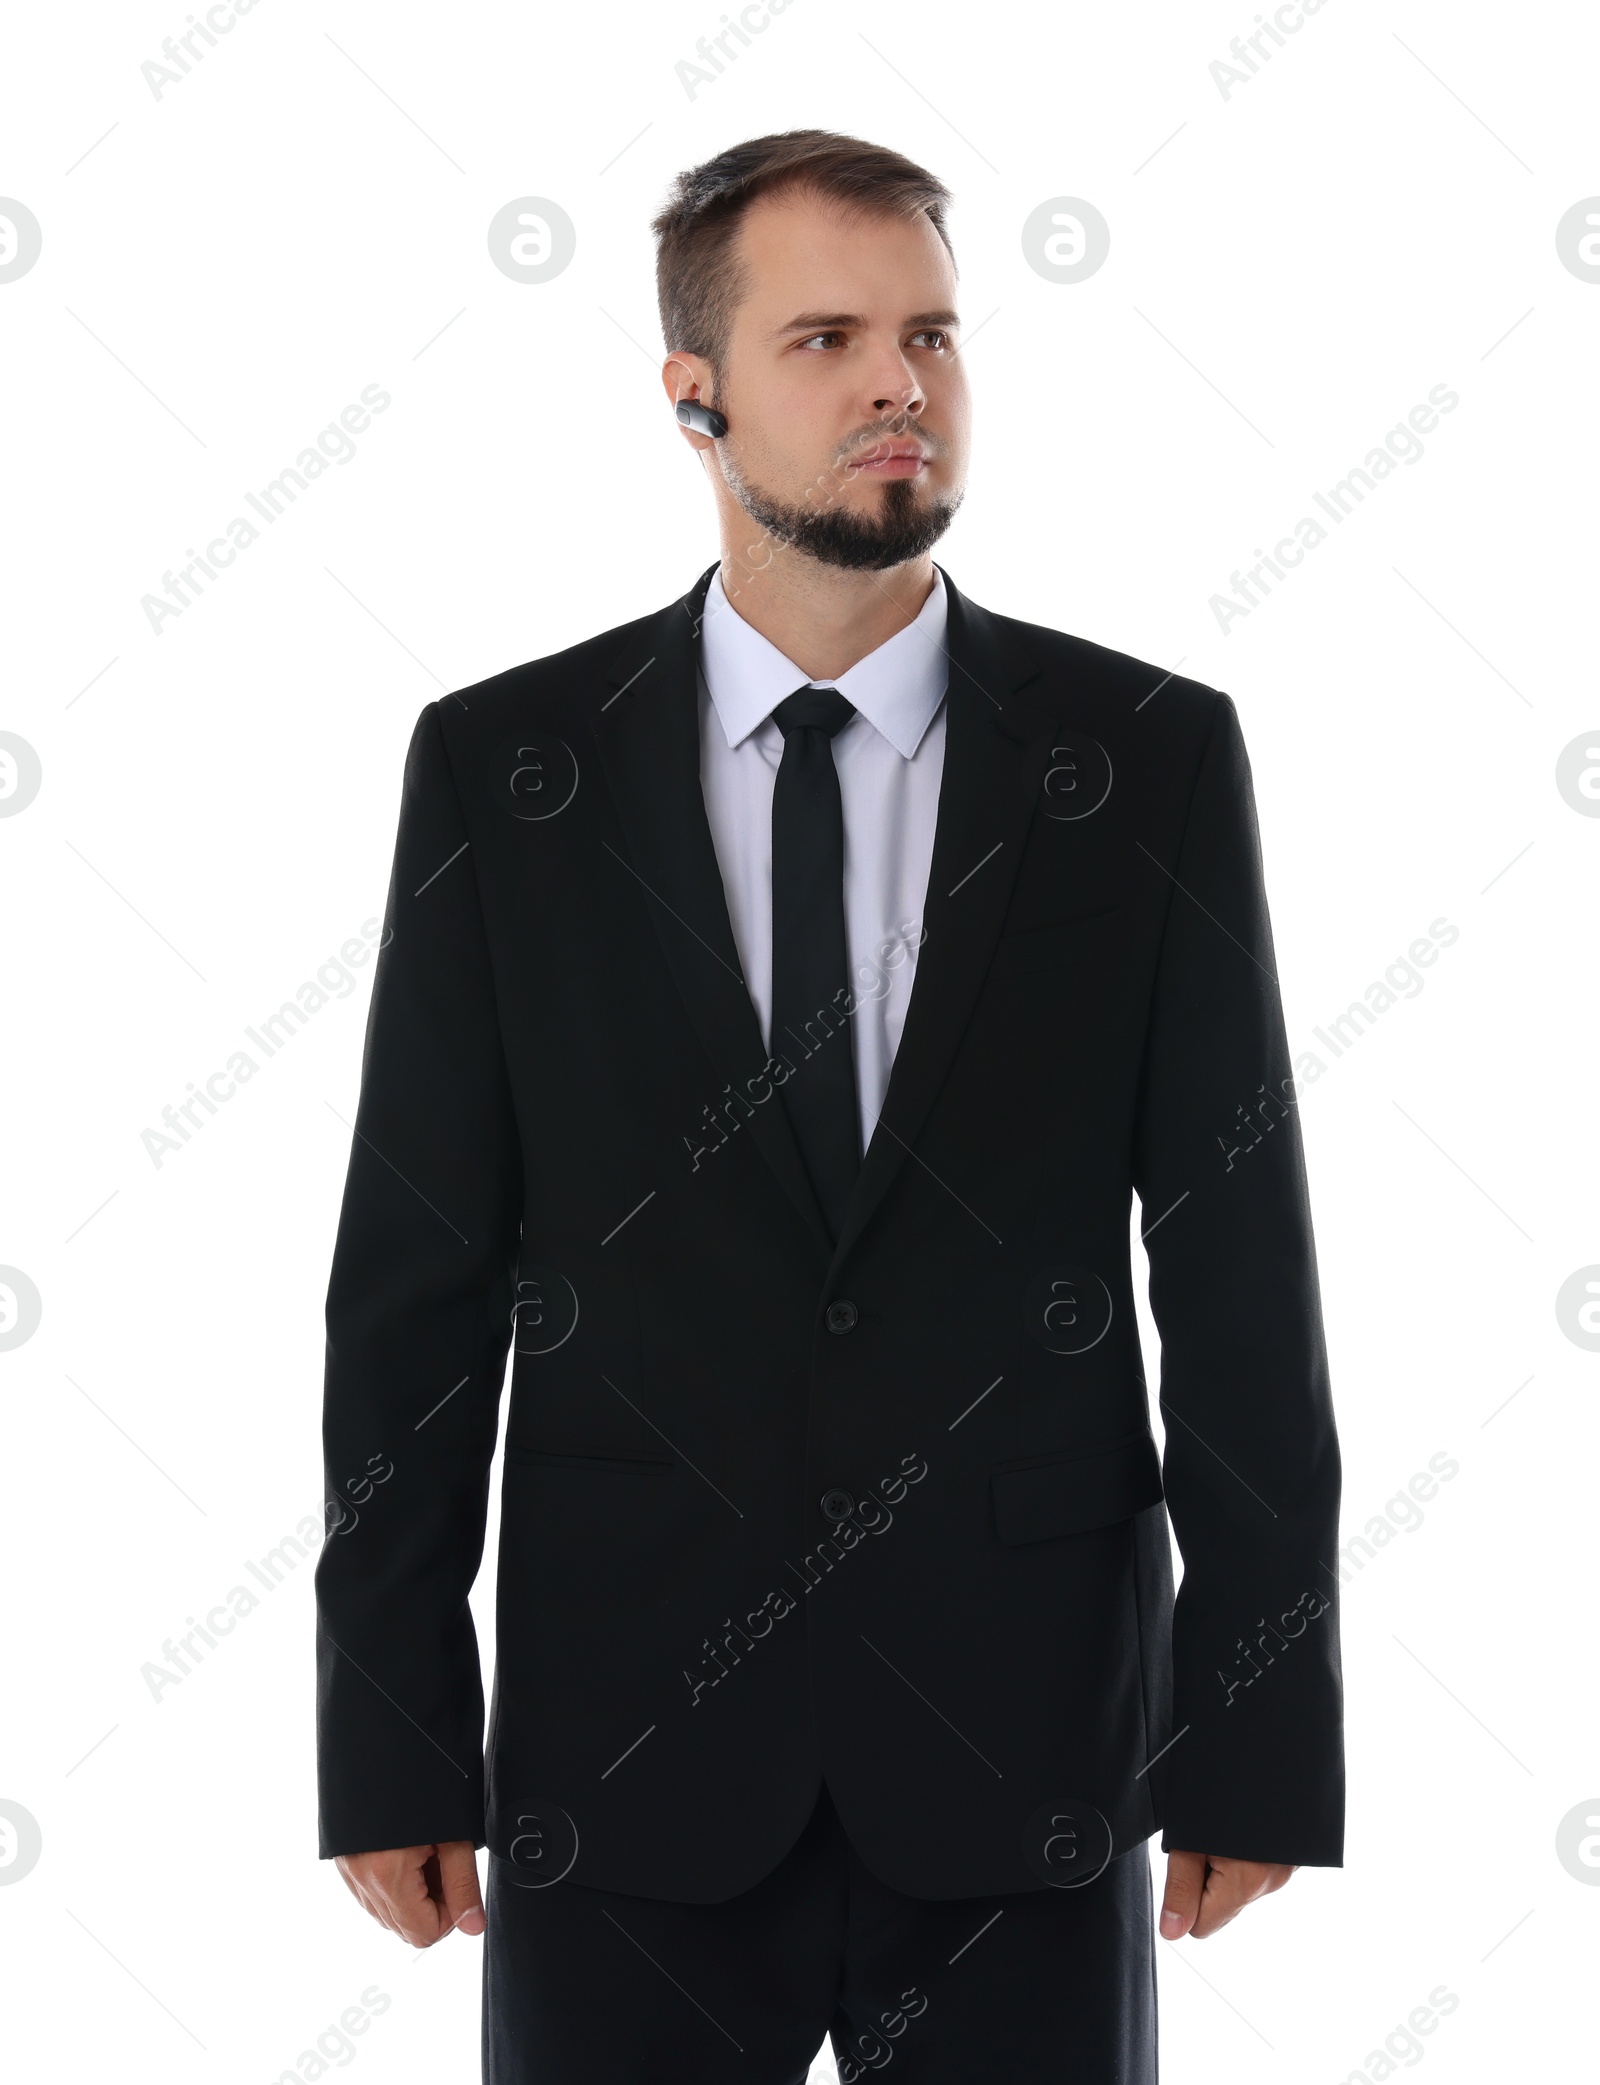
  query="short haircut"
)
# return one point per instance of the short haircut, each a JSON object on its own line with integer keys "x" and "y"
{"x": 699, "y": 279}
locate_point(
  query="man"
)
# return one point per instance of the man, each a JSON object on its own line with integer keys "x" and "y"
{"x": 787, "y": 993}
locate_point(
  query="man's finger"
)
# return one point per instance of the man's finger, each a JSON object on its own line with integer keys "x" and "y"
{"x": 1180, "y": 1901}
{"x": 458, "y": 1886}
{"x": 415, "y": 1901}
{"x": 376, "y": 1905}
{"x": 357, "y": 1871}
{"x": 1230, "y": 1885}
{"x": 394, "y": 1887}
{"x": 1205, "y": 1892}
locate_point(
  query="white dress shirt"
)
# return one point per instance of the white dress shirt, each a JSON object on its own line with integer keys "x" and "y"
{"x": 890, "y": 760}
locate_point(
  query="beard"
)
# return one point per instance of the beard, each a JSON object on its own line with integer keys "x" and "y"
{"x": 903, "y": 525}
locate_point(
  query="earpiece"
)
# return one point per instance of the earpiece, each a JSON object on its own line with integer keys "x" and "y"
{"x": 704, "y": 419}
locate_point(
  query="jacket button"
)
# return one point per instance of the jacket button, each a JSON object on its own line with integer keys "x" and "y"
{"x": 841, "y": 1316}
{"x": 837, "y": 1504}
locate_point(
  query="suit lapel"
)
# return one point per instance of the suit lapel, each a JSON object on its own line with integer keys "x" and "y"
{"x": 648, "y": 733}
{"x": 986, "y": 800}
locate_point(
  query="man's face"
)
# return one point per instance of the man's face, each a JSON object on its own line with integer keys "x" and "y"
{"x": 847, "y": 403}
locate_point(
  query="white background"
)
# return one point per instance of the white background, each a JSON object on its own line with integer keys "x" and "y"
{"x": 1292, "y": 268}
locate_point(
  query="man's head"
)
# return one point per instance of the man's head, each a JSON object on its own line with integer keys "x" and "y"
{"x": 807, "y": 291}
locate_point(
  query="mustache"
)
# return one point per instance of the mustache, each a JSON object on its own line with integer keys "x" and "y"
{"x": 895, "y": 427}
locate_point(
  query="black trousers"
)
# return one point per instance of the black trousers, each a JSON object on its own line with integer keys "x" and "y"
{"x": 586, "y": 1986}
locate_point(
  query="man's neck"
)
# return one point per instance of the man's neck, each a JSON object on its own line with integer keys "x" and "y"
{"x": 823, "y": 618}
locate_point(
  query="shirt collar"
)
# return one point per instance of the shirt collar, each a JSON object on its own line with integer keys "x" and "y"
{"x": 897, "y": 688}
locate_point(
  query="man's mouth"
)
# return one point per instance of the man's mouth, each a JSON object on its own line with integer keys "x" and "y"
{"x": 895, "y": 459}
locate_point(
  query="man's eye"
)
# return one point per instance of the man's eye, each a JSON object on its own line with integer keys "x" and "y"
{"x": 818, "y": 336}
{"x": 935, "y": 333}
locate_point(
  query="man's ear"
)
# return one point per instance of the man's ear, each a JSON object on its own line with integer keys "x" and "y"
{"x": 686, "y": 376}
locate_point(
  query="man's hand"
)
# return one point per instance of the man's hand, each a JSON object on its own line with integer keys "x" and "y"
{"x": 1204, "y": 1891}
{"x": 420, "y": 1892}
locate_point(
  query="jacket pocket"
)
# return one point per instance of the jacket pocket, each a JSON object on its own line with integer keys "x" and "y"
{"x": 1077, "y": 1490}
{"x": 1040, "y": 946}
{"x": 549, "y": 1458}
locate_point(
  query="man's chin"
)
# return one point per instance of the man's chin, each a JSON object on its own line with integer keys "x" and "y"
{"x": 905, "y": 523}
{"x": 873, "y": 552}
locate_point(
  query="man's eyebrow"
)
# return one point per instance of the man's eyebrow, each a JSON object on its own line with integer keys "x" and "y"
{"x": 830, "y": 321}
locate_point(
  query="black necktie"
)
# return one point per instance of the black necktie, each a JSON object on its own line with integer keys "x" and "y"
{"x": 810, "y": 963}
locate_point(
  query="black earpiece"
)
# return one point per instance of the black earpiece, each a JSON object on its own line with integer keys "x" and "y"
{"x": 704, "y": 419}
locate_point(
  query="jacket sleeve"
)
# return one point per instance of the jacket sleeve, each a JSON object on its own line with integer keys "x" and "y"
{"x": 1255, "y": 1769}
{"x": 418, "y": 1326}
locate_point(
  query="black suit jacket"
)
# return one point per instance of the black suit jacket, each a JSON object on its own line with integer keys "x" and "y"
{"x": 890, "y": 1508}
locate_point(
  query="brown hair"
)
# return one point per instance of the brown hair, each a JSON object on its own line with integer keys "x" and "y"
{"x": 699, "y": 280}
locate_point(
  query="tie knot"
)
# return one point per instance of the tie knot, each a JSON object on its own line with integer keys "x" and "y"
{"x": 824, "y": 708}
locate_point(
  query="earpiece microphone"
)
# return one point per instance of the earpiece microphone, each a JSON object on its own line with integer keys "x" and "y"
{"x": 704, "y": 419}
